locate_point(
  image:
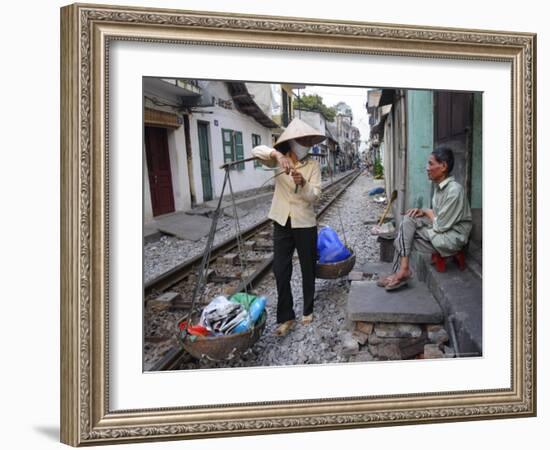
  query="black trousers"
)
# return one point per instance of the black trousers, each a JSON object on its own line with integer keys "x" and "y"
{"x": 285, "y": 240}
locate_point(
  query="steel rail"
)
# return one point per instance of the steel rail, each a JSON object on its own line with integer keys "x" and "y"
{"x": 174, "y": 357}
{"x": 181, "y": 271}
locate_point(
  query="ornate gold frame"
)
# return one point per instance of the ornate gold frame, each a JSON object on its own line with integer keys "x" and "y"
{"x": 86, "y": 31}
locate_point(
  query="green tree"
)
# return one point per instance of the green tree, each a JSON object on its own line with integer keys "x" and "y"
{"x": 315, "y": 103}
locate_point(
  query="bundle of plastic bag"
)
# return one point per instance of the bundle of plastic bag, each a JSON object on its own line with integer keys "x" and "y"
{"x": 329, "y": 247}
{"x": 218, "y": 316}
{"x": 222, "y": 316}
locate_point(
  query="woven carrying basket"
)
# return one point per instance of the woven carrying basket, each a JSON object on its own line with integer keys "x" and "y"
{"x": 224, "y": 348}
{"x": 330, "y": 271}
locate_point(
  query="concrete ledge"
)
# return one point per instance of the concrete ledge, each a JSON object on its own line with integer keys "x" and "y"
{"x": 413, "y": 304}
{"x": 460, "y": 296}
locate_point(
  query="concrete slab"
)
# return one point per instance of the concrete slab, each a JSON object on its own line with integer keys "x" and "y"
{"x": 460, "y": 295}
{"x": 230, "y": 213}
{"x": 201, "y": 211}
{"x": 184, "y": 226}
{"x": 151, "y": 234}
{"x": 375, "y": 268}
{"x": 413, "y": 304}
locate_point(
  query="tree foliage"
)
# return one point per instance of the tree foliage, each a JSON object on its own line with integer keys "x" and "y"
{"x": 315, "y": 103}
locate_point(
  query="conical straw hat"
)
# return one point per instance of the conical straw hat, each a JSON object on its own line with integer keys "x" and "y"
{"x": 298, "y": 129}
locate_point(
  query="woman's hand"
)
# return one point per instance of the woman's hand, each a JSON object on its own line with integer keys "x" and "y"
{"x": 299, "y": 180}
{"x": 282, "y": 160}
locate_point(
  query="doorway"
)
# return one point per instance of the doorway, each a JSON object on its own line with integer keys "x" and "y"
{"x": 204, "y": 150}
{"x": 159, "y": 171}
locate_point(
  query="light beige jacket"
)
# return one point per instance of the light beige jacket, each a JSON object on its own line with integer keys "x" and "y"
{"x": 286, "y": 203}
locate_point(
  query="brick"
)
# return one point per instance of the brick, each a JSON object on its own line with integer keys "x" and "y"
{"x": 355, "y": 276}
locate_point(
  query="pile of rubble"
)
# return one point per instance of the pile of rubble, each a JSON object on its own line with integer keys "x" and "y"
{"x": 396, "y": 341}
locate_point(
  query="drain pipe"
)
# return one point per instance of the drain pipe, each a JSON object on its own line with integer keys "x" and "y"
{"x": 452, "y": 332}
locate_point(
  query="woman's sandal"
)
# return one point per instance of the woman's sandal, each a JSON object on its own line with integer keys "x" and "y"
{"x": 306, "y": 320}
{"x": 284, "y": 328}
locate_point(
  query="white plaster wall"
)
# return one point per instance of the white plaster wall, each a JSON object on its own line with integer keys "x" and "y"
{"x": 312, "y": 118}
{"x": 178, "y": 167}
{"x": 232, "y": 119}
{"x": 178, "y": 159}
{"x": 147, "y": 204}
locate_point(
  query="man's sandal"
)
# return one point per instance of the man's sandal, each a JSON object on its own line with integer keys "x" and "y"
{"x": 284, "y": 328}
{"x": 394, "y": 285}
{"x": 383, "y": 280}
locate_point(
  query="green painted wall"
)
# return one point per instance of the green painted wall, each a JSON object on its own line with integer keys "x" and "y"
{"x": 420, "y": 132}
{"x": 477, "y": 157}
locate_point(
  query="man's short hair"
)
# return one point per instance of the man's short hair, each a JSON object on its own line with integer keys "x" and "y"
{"x": 445, "y": 154}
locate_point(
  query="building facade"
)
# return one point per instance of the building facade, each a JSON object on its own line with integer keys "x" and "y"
{"x": 191, "y": 128}
{"x": 407, "y": 125}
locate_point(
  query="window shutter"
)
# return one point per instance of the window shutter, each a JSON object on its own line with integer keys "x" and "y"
{"x": 227, "y": 140}
{"x": 256, "y": 140}
{"x": 239, "y": 149}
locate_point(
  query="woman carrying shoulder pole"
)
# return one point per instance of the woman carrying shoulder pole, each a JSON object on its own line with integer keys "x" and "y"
{"x": 294, "y": 221}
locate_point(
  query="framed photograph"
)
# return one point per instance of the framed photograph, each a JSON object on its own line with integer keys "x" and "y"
{"x": 182, "y": 130}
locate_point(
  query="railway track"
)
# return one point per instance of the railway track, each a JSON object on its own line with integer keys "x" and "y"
{"x": 259, "y": 254}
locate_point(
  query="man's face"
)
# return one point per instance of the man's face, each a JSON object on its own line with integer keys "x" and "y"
{"x": 437, "y": 171}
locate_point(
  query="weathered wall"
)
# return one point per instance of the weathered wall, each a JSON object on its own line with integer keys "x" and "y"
{"x": 477, "y": 168}
{"x": 420, "y": 132}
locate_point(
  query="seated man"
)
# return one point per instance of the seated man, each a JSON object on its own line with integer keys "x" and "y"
{"x": 443, "y": 229}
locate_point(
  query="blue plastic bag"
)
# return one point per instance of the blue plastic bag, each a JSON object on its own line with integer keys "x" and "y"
{"x": 329, "y": 247}
{"x": 376, "y": 190}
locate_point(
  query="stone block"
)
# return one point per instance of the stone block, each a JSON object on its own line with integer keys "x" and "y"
{"x": 438, "y": 337}
{"x": 349, "y": 345}
{"x": 362, "y": 356}
{"x": 397, "y": 330}
{"x": 432, "y": 351}
{"x": 364, "y": 327}
{"x": 361, "y": 338}
{"x": 411, "y": 348}
{"x": 385, "y": 351}
{"x": 433, "y": 328}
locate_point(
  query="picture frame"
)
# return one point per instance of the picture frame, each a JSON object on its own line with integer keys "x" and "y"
{"x": 87, "y": 31}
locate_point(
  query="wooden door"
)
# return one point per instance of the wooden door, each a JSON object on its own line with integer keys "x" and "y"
{"x": 453, "y": 129}
{"x": 204, "y": 149}
{"x": 158, "y": 168}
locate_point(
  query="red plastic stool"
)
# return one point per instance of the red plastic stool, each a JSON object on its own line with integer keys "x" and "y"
{"x": 440, "y": 261}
